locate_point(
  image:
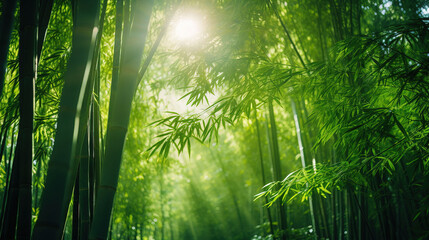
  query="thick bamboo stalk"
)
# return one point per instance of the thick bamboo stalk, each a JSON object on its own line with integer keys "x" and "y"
{"x": 6, "y": 25}
{"x": 18, "y": 206}
{"x": 116, "y": 51}
{"x": 119, "y": 119}
{"x": 62, "y": 167}
{"x": 44, "y": 16}
{"x": 27, "y": 77}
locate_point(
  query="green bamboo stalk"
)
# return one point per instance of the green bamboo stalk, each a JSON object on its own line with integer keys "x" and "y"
{"x": 119, "y": 119}
{"x": 158, "y": 40}
{"x": 11, "y": 208}
{"x": 261, "y": 160}
{"x": 8, "y": 164}
{"x": 336, "y": 21}
{"x": 161, "y": 200}
{"x": 82, "y": 154}
{"x": 62, "y": 167}
{"x": 18, "y": 205}
{"x": 322, "y": 40}
{"x": 126, "y": 24}
{"x": 97, "y": 138}
{"x": 27, "y": 78}
{"x": 94, "y": 132}
{"x": 6, "y": 25}
{"x": 44, "y": 16}
{"x": 286, "y": 31}
{"x": 341, "y": 215}
{"x": 275, "y": 157}
{"x": 351, "y": 17}
{"x": 303, "y": 163}
{"x": 75, "y": 216}
{"x": 227, "y": 182}
{"x": 3, "y": 143}
{"x": 84, "y": 189}
{"x": 116, "y": 51}
{"x": 91, "y": 163}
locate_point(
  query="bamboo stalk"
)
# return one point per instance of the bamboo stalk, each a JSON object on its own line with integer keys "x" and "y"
{"x": 27, "y": 78}
{"x": 84, "y": 189}
{"x": 119, "y": 119}
{"x": 8, "y": 164}
{"x": 11, "y": 208}
{"x": 116, "y": 51}
{"x": 6, "y": 25}
{"x": 274, "y": 149}
{"x": 19, "y": 202}
{"x": 44, "y": 16}
{"x": 76, "y": 212}
{"x": 261, "y": 160}
{"x": 62, "y": 167}
{"x": 303, "y": 163}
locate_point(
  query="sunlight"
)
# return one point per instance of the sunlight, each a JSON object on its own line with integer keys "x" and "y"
{"x": 188, "y": 29}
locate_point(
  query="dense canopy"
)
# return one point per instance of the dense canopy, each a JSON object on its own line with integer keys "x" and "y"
{"x": 214, "y": 119}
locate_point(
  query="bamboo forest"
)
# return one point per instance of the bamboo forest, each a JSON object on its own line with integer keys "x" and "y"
{"x": 214, "y": 119}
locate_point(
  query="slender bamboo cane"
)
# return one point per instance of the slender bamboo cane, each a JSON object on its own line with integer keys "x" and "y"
{"x": 97, "y": 138}
{"x": 274, "y": 8}
{"x": 275, "y": 157}
{"x": 11, "y": 208}
{"x": 231, "y": 191}
{"x": 76, "y": 217}
{"x": 161, "y": 199}
{"x": 62, "y": 167}
{"x": 303, "y": 163}
{"x": 3, "y": 135}
{"x": 91, "y": 162}
{"x": 8, "y": 164}
{"x": 158, "y": 40}
{"x": 322, "y": 40}
{"x": 261, "y": 160}
{"x": 84, "y": 189}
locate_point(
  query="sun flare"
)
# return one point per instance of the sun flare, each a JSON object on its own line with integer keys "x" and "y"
{"x": 188, "y": 29}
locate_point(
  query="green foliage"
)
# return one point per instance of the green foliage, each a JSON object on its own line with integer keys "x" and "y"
{"x": 357, "y": 72}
